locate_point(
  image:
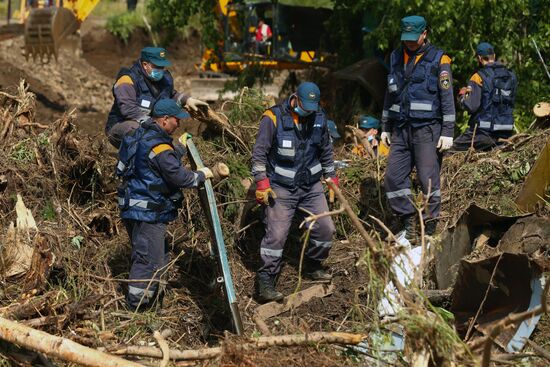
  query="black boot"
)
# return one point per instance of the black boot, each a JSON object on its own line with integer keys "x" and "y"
{"x": 314, "y": 270}
{"x": 266, "y": 289}
{"x": 409, "y": 226}
{"x": 430, "y": 226}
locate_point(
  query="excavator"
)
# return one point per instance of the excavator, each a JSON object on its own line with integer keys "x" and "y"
{"x": 48, "y": 22}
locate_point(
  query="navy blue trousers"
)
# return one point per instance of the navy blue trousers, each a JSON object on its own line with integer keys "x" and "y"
{"x": 278, "y": 219}
{"x": 149, "y": 260}
{"x": 413, "y": 147}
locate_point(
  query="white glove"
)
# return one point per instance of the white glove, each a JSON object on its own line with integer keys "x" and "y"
{"x": 207, "y": 172}
{"x": 385, "y": 138}
{"x": 444, "y": 143}
{"x": 194, "y": 103}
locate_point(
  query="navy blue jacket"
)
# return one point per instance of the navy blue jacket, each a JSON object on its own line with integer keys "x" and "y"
{"x": 292, "y": 151}
{"x": 135, "y": 94}
{"x": 152, "y": 172}
{"x": 490, "y": 99}
{"x": 419, "y": 90}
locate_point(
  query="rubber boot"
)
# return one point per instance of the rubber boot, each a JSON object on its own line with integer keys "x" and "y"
{"x": 315, "y": 270}
{"x": 409, "y": 226}
{"x": 266, "y": 289}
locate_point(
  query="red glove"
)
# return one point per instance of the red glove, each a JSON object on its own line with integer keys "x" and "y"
{"x": 336, "y": 181}
{"x": 264, "y": 192}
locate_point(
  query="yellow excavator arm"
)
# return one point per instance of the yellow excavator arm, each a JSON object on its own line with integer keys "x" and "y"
{"x": 47, "y": 25}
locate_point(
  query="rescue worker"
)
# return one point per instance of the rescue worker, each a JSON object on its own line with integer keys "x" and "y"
{"x": 137, "y": 89}
{"x": 418, "y": 120}
{"x": 292, "y": 153}
{"x": 489, "y": 98}
{"x": 149, "y": 197}
{"x": 370, "y": 126}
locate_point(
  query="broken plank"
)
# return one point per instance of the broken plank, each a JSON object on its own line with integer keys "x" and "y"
{"x": 294, "y": 300}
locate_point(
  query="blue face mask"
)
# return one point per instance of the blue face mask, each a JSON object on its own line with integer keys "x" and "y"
{"x": 301, "y": 112}
{"x": 156, "y": 74}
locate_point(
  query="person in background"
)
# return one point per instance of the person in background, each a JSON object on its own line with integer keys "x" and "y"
{"x": 489, "y": 99}
{"x": 136, "y": 91}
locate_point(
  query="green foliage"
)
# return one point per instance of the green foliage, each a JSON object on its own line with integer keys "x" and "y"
{"x": 122, "y": 25}
{"x": 48, "y": 212}
{"x": 22, "y": 151}
{"x": 248, "y": 77}
{"x": 457, "y": 26}
{"x": 173, "y": 16}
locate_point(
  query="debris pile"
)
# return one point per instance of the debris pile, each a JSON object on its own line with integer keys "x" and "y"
{"x": 65, "y": 258}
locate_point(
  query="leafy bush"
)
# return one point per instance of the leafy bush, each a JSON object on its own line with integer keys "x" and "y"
{"x": 123, "y": 25}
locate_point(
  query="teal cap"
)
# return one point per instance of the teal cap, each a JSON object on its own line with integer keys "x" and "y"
{"x": 169, "y": 107}
{"x": 333, "y": 130}
{"x": 368, "y": 122}
{"x": 155, "y": 55}
{"x": 485, "y": 49}
{"x": 412, "y": 27}
{"x": 309, "y": 95}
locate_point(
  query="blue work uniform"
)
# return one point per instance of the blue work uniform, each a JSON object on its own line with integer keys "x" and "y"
{"x": 149, "y": 197}
{"x": 418, "y": 109}
{"x": 134, "y": 97}
{"x": 294, "y": 153}
{"x": 490, "y": 101}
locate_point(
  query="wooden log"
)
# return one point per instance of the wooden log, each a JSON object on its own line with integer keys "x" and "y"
{"x": 259, "y": 343}
{"x": 58, "y": 347}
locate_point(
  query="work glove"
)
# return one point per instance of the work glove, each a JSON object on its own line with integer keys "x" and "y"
{"x": 264, "y": 192}
{"x": 331, "y": 191}
{"x": 385, "y": 137}
{"x": 207, "y": 172}
{"x": 444, "y": 143}
{"x": 194, "y": 103}
{"x": 183, "y": 139}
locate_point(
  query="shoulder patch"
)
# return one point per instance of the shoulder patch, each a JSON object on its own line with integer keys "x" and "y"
{"x": 444, "y": 80}
{"x": 271, "y": 116}
{"x": 125, "y": 79}
{"x": 445, "y": 59}
{"x": 476, "y": 78}
{"x": 161, "y": 148}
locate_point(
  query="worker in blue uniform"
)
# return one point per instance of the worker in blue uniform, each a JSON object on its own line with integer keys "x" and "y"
{"x": 293, "y": 151}
{"x": 150, "y": 194}
{"x": 418, "y": 120}
{"x": 138, "y": 88}
{"x": 489, "y": 99}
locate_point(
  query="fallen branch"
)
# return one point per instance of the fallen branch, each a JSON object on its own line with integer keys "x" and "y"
{"x": 163, "y": 347}
{"x": 539, "y": 350}
{"x": 58, "y": 347}
{"x": 512, "y": 319}
{"x": 260, "y": 343}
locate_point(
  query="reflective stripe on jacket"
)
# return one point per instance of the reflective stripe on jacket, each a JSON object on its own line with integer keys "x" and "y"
{"x": 293, "y": 159}
{"x": 498, "y": 92}
{"x": 414, "y": 94}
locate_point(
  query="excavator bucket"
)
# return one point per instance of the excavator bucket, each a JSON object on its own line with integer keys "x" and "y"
{"x": 45, "y": 29}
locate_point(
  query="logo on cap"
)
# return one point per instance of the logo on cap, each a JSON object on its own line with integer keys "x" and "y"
{"x": 312, "y": 95}
{"x": 162, "y": 53}
{"x": 408, "y": 28}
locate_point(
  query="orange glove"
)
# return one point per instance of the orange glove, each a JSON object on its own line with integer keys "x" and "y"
{"x": 264, "y": 192}
{"x": 330, "y": 191}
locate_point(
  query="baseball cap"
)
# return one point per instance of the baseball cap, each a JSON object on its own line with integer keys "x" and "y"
{"x": 333, "y": 130}
{"x": 368, "y": 122}
{"x": 155, "y": 55}
{"x": 485, "y": 49}
{"x": 309, "y": 95}
{"x": 169, "y": 107}
{"x": 412, "y": 27}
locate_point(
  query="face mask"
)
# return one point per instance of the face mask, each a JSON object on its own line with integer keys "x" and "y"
{"x": 370, "y": 138}
{"x": 156, "y": 74}
{"x": 301, "y": 112}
